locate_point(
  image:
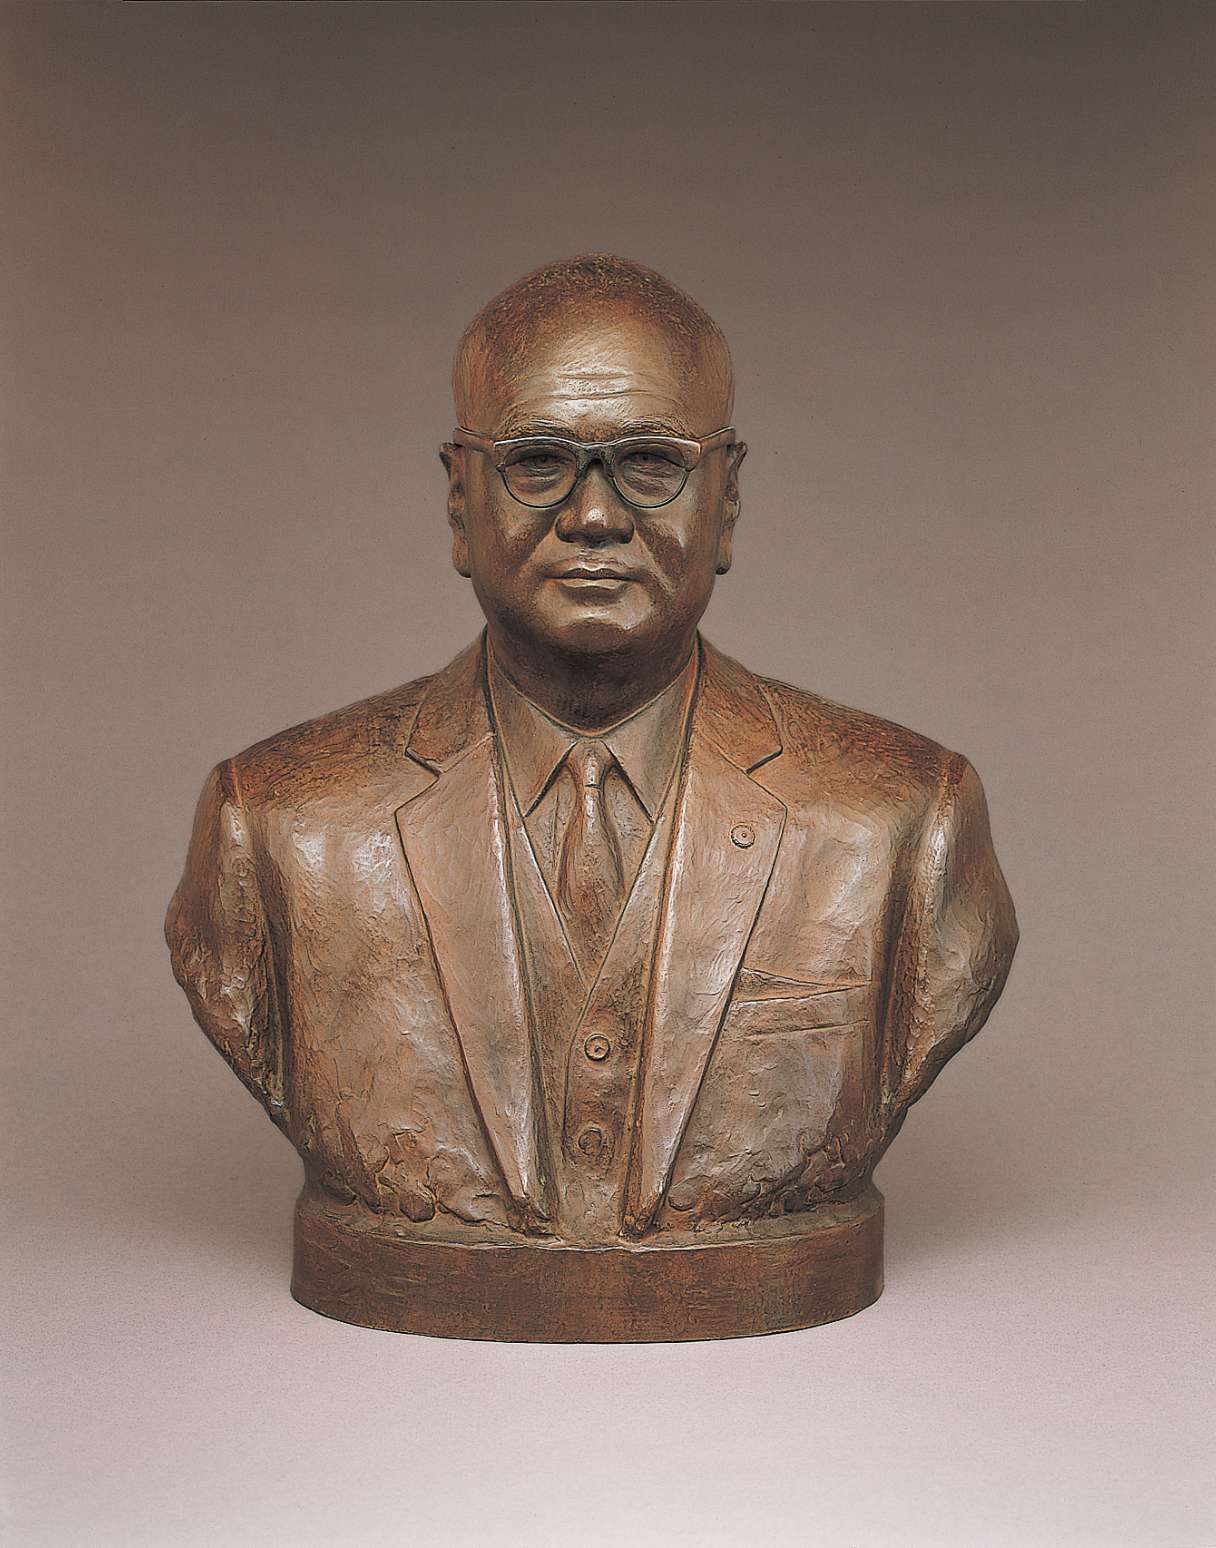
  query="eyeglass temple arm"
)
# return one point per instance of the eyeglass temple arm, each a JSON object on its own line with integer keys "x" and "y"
{"x": 463, "y": 437}
{"x": 708, "y": 443}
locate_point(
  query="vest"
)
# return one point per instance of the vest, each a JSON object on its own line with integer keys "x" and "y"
{"x": 586, "y": 1036}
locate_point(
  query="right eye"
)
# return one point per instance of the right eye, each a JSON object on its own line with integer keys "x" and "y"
{"x": 537, "y": 464}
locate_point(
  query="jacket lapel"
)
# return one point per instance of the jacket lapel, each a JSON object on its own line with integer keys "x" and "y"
{"x": 555, "y": 985}
{"x": 727, "y": 833}
{"x": 455, "y": 840}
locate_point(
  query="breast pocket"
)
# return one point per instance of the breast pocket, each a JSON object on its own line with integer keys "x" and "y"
{"x": 767, "y": 1005}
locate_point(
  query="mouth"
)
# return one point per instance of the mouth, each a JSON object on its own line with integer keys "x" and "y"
{"x": 592, "y": 573}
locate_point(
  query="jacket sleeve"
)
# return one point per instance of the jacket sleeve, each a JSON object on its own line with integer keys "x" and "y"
{"x": 956, "y": 943}
{"x": 220, "y": 945}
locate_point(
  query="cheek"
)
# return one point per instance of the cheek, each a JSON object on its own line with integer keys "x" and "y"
{"x": 685, "y": 544}
{"x": 500, "y": 538}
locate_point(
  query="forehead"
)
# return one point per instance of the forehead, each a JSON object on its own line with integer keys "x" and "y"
{"x": 596, "y": 378}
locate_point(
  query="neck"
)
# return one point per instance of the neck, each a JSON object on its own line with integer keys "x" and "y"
{"x": 589, "y": 692}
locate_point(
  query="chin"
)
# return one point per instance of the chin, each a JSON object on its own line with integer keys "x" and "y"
{"x": 597, "y": 633}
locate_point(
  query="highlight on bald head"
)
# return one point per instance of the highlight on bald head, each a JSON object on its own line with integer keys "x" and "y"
{"x": 574, "y": 295}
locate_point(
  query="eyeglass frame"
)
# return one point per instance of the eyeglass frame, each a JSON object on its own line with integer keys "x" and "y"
{"x": 692, "y": 449}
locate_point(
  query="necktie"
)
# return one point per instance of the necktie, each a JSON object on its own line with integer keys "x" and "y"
{"x": 590, "y": 875}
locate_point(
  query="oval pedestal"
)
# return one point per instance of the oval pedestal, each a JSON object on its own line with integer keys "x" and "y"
{"x": 771, "y": 1277}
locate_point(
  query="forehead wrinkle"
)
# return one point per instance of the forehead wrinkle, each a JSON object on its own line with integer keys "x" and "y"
{"x": 581, "y": 425}
{"x": 581, "y": 392}
{"x": 591, "y": 380}
{"x": 550, "y": 382}
{"x": 565, "y": 403}
{"x": 532, "y": 425}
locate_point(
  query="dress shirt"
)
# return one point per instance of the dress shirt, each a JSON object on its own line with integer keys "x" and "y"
{"x": 645, "y": 744}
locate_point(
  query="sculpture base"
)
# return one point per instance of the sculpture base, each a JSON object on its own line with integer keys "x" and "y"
{"x": 795, "y": 1272}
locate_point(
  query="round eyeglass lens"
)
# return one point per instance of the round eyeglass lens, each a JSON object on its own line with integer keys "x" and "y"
{"x": 650, "y": 475}
{"x": 540, "y": 475}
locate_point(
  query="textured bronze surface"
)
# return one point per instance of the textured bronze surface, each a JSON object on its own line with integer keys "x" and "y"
{"x": 793, "y": 1273}
{"x": 591, "y": 975}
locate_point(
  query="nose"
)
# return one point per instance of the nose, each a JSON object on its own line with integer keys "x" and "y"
{"x": 594, "y": 514}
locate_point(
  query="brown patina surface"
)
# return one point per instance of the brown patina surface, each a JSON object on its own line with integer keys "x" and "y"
{"x": 513, "y": 1125}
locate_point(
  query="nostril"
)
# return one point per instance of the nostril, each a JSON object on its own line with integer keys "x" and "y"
{"x": 594, "y": 522}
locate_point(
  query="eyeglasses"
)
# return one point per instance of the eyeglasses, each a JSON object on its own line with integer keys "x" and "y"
{"x": 645, "y": 470}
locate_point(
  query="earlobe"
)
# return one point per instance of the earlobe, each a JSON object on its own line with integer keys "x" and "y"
{"x": 460, "y": 539}
{"x": 460, "y": 553}
{"x": 731, "y": 506}
{"x": 450, "y": 457}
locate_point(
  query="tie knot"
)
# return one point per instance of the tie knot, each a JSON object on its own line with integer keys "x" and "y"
{"x": 589, "y": 762}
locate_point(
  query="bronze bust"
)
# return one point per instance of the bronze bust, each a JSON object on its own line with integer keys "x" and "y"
{"x": 592, "y": 975}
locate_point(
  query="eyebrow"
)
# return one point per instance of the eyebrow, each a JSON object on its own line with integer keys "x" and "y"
{"x": 634, "y": 427}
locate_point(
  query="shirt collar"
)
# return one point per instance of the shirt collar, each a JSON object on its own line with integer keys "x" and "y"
{"x": 646, "y": 744}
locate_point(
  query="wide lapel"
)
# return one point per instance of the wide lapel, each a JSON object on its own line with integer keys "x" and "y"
{"x": 554, "y": 982}
{"x": 455, "y": 842}
{"x": 723, "y": 849}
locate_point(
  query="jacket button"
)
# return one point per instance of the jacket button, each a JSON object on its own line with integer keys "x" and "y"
{"x": 597, "y": 1047}
{"x": 743, "y": 835}
{"x": 591, "y": 1141}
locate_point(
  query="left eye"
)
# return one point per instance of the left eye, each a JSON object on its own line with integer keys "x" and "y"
{"x": 650, "y": 461}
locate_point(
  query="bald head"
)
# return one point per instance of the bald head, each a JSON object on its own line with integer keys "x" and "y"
{"x": 580, "y": 298}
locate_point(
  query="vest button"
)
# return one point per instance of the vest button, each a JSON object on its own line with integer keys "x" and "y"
{"x": 592, "y": 1141}
{"x": 597, "y": 1047}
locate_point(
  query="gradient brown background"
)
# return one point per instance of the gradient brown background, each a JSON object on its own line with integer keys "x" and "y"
{"x": 962, "y": 255}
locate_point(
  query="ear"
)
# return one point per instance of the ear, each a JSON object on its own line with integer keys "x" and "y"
{"x": 453, "y": 461}
{"x": 730, "y": 506}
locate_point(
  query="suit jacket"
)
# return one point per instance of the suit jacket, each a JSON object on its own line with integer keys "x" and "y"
{"x": 831, "y": 925}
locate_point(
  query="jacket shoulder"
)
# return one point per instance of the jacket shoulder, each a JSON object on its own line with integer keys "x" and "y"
{"x": 858, "y": 750}
{"x": 327, "y": 752}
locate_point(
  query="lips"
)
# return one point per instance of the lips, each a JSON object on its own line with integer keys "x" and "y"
{"x": 591, "y": 573}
